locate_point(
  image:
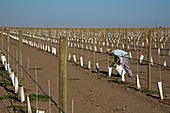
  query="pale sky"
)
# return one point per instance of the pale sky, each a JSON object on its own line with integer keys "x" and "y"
{"x": 85, "y": 13}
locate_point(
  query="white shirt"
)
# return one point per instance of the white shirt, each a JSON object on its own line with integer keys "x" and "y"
{"x": 119, "y": 53}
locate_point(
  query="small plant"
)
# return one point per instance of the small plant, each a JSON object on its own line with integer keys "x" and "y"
{"x": 143, "y": 63}
{"x": 5, "y": 78}
{"x": 105, "y": 76}
{"x": 8, "y": 96}
{"x": 41, "y": 97}
{"x": 148, "y": 91}
{"x": 5, "y": 83}
{"x": 2, "y": 69}
{"x": 132, "y": 87}
{"x": 99, "y": 77}
{"x": 118, "y": 81}
{"x": 18, "y": 109}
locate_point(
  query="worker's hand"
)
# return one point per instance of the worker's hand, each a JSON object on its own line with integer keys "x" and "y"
{"x": 113, "y": 64}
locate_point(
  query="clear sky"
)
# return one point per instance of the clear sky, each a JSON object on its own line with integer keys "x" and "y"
{"x": 85, "y": 13}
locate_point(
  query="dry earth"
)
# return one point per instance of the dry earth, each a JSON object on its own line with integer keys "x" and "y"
{"x": 90, "y": 92}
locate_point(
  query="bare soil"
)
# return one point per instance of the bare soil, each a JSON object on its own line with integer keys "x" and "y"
{"x": 91, "y": 92}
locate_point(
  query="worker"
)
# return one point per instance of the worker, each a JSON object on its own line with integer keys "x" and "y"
{"x": 121, "y": 57}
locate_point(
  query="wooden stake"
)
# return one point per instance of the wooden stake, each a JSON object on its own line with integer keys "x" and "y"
{"x": 28, "y": 64}
{"x": 145, "y": 36}
{"x": 36, "y": 88}
{"x": 8, "y": 43}
{"x": 16, "y": 55}
{"x": 63, "y": 73}
{"x": 126, "y": 40}
{"x": 50, "y": 43}
{"x": 13, "y": 61}
{"x": 94, "y": 54}
{"x": 20, "y": 74}
{"x": 2, "y": 43}
{"x": 49, "y": 104}
{"x": 160, "y": 76}
{"x": 149, "y": 59}
{"x": 137, "y": 60}
{"x": 72, "y": 105}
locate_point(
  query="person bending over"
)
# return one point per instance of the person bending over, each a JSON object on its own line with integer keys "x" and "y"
{"x": 121, "y": 57}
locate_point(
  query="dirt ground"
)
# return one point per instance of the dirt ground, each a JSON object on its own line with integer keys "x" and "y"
{"x": 86, "y": 91}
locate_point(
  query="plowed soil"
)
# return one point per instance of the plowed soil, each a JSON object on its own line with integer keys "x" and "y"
{"x": 90, "y": 92}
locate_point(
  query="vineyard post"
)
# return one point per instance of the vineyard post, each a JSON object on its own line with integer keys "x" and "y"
{"x": 80, "y": 38}
{"x": 149, "y": 59}
{"x": 126, "y": 40}
{"x": 103, "y": 37}
{"x": 8, "y": 43}
{"x": 2, "y": 39}
{"x": 63, "y": 72}
{"x": 145, "y": 43}
{"x": 39, "y": 40}
{"x": 32, "y": 32}
{"x": 20, "y": 74}
{"x": 94, "y": 55}
{"x": 41, "y": 35}
{"x": 50, "y": 44}
{"x": 159, "y": 37}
